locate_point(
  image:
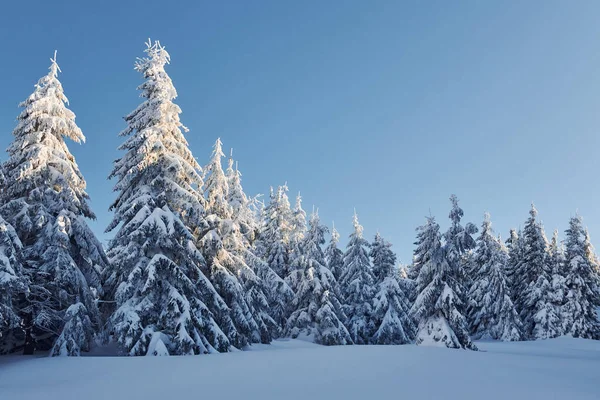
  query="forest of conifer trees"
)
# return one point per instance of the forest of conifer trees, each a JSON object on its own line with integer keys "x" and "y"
{"x": 197, "y": 266}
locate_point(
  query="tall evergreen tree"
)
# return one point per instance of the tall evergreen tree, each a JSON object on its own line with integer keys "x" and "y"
{"x": 274, "y": 241}
{"x": 12, "y": 285}
{"x": 514, "y": 244}
{"x": 298, "y": 229}
{"x": 317, "y": 309}
{"x": 257, "y": 279}
{"x": 224, "y": 249}
{"x": 44, "y": 199}
{"x": 425, "y": 245}
{"x": 390, "y": 317}
{"x": 357, "y": 282}
{"x": 579, "y": 315}
{"x": 162, "y": 295}
{"x": 437, "y": 306}
{"x": 459, "y": 244}
{"x": 534, "y": 295}
{"x": 333, "y": 255}
{"x": 490, "y": 309}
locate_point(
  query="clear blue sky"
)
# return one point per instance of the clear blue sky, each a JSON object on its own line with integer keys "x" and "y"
{"x": 386, "y": 106}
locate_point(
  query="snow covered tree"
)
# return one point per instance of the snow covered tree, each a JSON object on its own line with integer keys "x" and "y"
{"x": 383, "y": 258}
{"x": 579, "y": 315}
{"x": 458, "y": 243}
{"x": 491, "y": 312}
{"x": 391, "y": 308}
{"x": 12, "y": 284}
{"x": 424, "y": 248}
{"x": 164, "y": 302}
{"x": 535, "y": 295}
{"x": 317, "y": 309}
{"x": 333, "y": 255}
{"x": 298, "y": 229}
{"x": 514, "y": 244}
{"x": 277, "y": 231}
{"x": 225, "y": 249}
{"x": 244, "y": 215}
{"x": 44, "y": 199}
{"x": 357, "y": 283}
{"x": 437, "y": 306}
{"x": 77, "y": 335}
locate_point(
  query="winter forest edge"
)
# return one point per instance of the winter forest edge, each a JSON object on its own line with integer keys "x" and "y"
{"x": 196, "y": 266}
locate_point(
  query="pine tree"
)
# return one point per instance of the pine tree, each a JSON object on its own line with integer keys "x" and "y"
{"x": 424, "y": 248}
{"x": 224, "y": 249}
{"x": 277, "y": 232}
{"x": 535, "y": 299}
{"x": 437, "y": 306}
{"x": 514, "y": 244}
{"x": 12, "y": 284}
{"x": 357, "y": 282}
{"x": 274, "y": 238}
{"x": 391, "y": 318}
{"x": 165, "y": 303}
{"x": 491, "y": 312}
{"x": 317, "y": 309}
{"x": 459, "y": 244}
{"x": 241, "y": 206}
{"x": 243, "y": 234}
{"x": 44, "y": 199}
{"x": 298, "y": 229}
{"x": 579, "y": 311}
{"x": 333, "y": 255}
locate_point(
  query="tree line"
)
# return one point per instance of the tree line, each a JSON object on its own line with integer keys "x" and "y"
{"x": 196, "y": 266}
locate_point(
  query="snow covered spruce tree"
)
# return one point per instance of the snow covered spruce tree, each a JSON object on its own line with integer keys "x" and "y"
{"x": 491, "y": 312}
{"x": 459, "y": 245}
{"x": 259, "y": 281}
{"x": 579, "y": 316}
{"x": 437, "y": 306}
{"x": 161, "y": 293}
{"x": 298, "y": 229}
{"x": 391, "y": 308}
{"x": 357, "y": 285}
{"x": 226, "y": 248}
{"x": 275, "y": 240}
{"x": 44, "y": 199}
{"x": 536, "y": 300}
{"x": 12, "y": 285}
{"x": 333, "y": 255}
{"x": 317, "y": 309}
{"x": 514, "y": 245}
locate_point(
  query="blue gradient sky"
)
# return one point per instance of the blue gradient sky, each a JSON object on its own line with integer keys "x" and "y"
{"x": 385, "y": 106}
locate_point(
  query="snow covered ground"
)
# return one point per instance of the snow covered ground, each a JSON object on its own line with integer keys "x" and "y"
{"x": 561, "y": 368}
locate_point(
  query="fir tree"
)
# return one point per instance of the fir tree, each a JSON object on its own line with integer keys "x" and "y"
{"x": 157, "y": 280}
{"x": 317, "y": 309}
{"x": 44, "y": 199}
{"x": 274, "y": 243}
{"x": 224, "y": 248}
{"x": 437, "y": 306}
{"x": 459, "y": 243}
{"x": 298, "y": 229}
{"x": 12, "y": 285}
{"x": 424, "y": 248}
{"x": 491, "y": 312}
{"x": 535, "y": 294}
{"x": 333, "y": 255}
{"x": 357, "y": 282}
{"x": 579, "y": 315}
{"x": 390, "y": 317}
{"x": 514, "y": 245}
{"x": 383, "y": 258}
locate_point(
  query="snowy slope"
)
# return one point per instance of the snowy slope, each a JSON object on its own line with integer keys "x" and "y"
{"x": 552, "y": 369}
